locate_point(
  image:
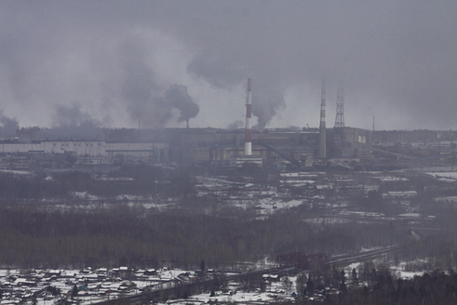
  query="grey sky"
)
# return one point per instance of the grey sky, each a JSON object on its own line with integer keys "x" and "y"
{"x": 116, "y": 60}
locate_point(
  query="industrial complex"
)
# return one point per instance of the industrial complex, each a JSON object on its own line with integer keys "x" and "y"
{"x": 298, "y": 201}
{"x": 308, "y": 148}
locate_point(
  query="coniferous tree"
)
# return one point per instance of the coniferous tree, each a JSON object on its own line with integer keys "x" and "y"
{"x": 301, "y": 284}
{"x": 310, "y": 286}
{"x": 343, "y": 287}
{"x": 355, "y": 279}
{"x": 74, "y": 291}
{"x": 202, "y": 266}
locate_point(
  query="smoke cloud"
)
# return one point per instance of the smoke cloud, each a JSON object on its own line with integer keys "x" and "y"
{"x": 72, "y": 116}
{"x": 235, "y": 125}
{"x": 145, "y": 100}
{"x": 265, "y": 103}
{"x": 178, "y": 98}
{"x": 9, "y": 126}
{"x": 139, "y": 87}
{"x": 397, "y": 60}
{"x": 72, "y": 123}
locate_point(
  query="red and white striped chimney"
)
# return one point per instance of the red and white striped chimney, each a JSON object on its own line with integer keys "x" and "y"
{"x": 248, "y": 137}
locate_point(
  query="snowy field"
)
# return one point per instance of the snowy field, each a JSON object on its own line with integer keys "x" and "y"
{"x": 443, "y": 176}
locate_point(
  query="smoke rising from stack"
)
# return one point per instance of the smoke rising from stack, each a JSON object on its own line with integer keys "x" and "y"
{"x": 54, "y": 51}
{"x": 269, "y": 95}
{"x": 139, "y": 89}
{"x": 178, "y": 98}
{"x": 145, "y": 100}
{"x": 155, "y": 112}
{"x": 266, "y": 104}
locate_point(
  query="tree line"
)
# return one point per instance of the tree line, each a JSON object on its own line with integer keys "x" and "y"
{"x": 33, "y": 236}
{"x": 436, "y": 288}
{"x": 145, "y": 180}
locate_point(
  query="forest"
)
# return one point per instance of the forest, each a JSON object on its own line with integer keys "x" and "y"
{"x": 32, "y": 236}
{"x": 43, "y": 224}
{"x": 435, "y": 288}
{"x": 145, "y": 180}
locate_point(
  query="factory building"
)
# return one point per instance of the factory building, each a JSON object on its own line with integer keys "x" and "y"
{"x": 348, "y": 142}
{"x": 222, "y": 147}
{"x": 298, "y": 148}
{"x": 209, "y": 146}
{"x": 100, "y": 150}
{"x": 217, "y": 147}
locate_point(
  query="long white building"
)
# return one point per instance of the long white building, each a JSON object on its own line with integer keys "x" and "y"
{"x": 156, "y": 151}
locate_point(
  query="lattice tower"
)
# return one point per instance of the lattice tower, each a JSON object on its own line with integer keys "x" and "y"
{"x": 339, "y": 120}
{"x": 322, "y": 152}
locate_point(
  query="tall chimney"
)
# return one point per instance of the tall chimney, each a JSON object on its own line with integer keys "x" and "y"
{"x": 247, "y": 136}
{"x": 322, "y": 129}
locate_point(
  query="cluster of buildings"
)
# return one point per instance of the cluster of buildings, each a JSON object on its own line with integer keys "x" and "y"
{"x": 87, "y": 286}
{"x": 83, "y": 286}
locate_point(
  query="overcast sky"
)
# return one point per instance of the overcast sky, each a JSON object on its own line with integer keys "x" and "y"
{"x": 115, "y": 61}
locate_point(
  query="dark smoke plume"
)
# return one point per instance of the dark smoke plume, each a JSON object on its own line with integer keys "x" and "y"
{"x": 139, "y": 89}
{"x": 71, "y": 116}
{"x": 265, "y": 104}
{"x": 397, "y": 58}
{"x": 235, "y": 125}
{"x": 156, "y": 111}
{"x": 9, "y": 126}
{"x": 71, "y": 123}
{"x": 178, "y": 98}
{"x": 145, "y": 102}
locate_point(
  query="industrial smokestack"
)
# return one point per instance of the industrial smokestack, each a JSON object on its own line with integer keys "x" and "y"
{"x": 322, "y": 129}
{"x": 247, "y": 136}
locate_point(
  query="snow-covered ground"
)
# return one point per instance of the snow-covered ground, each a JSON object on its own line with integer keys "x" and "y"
{"x": 93, "y": 285}
{"x": 23, "y": 286}
{"x": 443, "y": 176}
{"x": 269, "y": 205}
